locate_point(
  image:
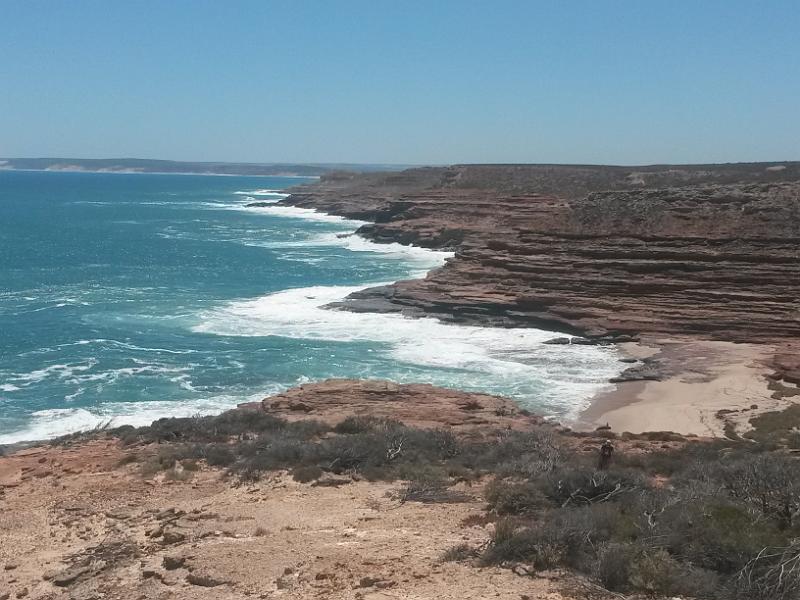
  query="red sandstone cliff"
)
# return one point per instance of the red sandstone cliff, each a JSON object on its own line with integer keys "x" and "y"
{"x": 708, "y": 249}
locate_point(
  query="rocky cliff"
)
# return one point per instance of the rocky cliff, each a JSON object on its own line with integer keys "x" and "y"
{"x": 591, "y": 250}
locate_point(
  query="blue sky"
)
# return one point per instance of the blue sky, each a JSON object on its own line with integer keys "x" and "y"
{"x": 624, "y": 82}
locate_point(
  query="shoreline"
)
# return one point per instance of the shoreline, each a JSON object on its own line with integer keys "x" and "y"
{"x": 705, "y": 384}
{"x": 416, "y": 273}
{"x": 704, "y": 388}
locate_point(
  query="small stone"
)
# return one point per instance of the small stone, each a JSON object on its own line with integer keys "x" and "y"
{"x": 557, "y": 341}
{"x": 22, "y": 593}
{"x": 119, "y": 513}
{"x": 65, "y": 578}
{"x": 204, "y": 579}
{"x": 173, "y": 537}
{"x": 174, "y": 562}
{"x": 169, "y": 512}
{"x": 154, "y": 532}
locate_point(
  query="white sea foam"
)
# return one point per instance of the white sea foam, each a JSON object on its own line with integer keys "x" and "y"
{"x": 355, "y": 243}
{"x": 562, "y": 377}
{"x": 126, "y": 346}
{"x": 59, "y": 371}
{"x": 8, "y": 387}
{"x": 47, "y": 424}
{"x": 84, "y": 373}
{"x": 276, "y": 193}
{"x": 420, "y": 258}
{"x": 569, "y": 374}
{"x": 295, "y": 212}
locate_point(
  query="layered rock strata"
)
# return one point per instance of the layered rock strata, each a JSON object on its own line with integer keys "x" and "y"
{"x": 709, "y": 250}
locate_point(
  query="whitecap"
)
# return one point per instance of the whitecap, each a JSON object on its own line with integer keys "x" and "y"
{"x": 565, "y": 376}
{"x": 420, "y": 257}
{"x": 47, "y": 424}
{"x": 59, "y": 371}
{"x": 276, "y": 193}
{"x": 294, "y": 212}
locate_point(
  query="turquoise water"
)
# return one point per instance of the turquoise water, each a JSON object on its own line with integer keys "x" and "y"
{"x": 127, "y": 297}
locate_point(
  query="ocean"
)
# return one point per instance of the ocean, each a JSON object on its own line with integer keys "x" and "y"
{"x": 129, "y": 297}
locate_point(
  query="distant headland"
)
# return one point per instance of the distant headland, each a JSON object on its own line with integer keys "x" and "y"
{"x": 146, "y": 165}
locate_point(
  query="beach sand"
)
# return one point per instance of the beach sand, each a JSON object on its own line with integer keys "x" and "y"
{"x": 704, "y": 386}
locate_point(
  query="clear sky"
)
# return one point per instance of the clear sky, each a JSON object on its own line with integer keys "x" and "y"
{"x": 395, "y": 81}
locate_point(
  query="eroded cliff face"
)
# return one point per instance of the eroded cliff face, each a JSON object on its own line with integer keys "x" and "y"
{"x": 598, "y": 251}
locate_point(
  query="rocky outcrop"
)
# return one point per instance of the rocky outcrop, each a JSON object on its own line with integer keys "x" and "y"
{"x": 417, "y": 405}
{"x": 708, "y": 250}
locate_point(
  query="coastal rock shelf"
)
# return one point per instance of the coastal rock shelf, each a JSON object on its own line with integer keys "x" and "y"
{"x": 707, "y": 250}
{"x": 417, "y": 405}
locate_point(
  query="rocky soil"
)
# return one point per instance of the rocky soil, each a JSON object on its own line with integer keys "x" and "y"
{"x": 89, "y": 528}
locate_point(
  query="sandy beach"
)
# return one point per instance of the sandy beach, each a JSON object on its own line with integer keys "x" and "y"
{"x": 704, "y": 387}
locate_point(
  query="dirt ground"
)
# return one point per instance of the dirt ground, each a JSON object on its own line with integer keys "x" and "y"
{"x": 76, "y": 523}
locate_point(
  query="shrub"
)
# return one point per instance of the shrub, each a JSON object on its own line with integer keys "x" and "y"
{"x": 775, "y": 427}
{"x": 218, "y": 455}
{"x": 353, "y": 452}
{"x": 471, "y": 405}
{"x": 624, "y": 567}
{"x": 770, "y": 484}
{"x": 582, "y": 485}
{"x": 613, "y": 566}
{"x": 459, "y": 553}
{"x": 233, "y": 423}
{"x": 507, "y": 498}
{"x": 714, "y": 533}
{"x": 512, "y": 543}
{"x": 515, "y": 453}
{"x": 190, "y": 464}
{"x": 306, "y": 474}
{"x": 149, "y": 468}
{"x": 773, "y": 574}
{"x": 654, "y": 571}
{"x": 365, "y": 424}
{"x": 271, "y": 454}
{"x": 429, "y": 491}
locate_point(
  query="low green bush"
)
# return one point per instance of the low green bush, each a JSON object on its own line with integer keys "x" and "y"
{"x": 514, "y": 498}
{"x": 715, "y": 520}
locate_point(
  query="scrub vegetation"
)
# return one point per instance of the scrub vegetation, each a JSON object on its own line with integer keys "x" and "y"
{"x": 703, "y": 519}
